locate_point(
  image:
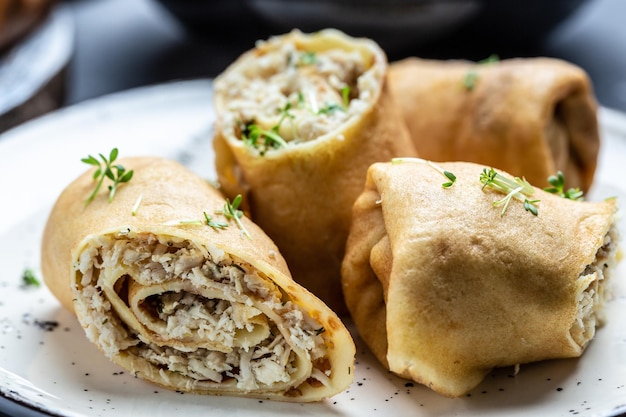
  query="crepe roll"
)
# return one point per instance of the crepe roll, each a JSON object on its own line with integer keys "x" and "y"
{"x": 444, "y": 286}
{"x": 177, "y": 293}
{"x": 527, "y": 116}
{"x": 299, "y": 119}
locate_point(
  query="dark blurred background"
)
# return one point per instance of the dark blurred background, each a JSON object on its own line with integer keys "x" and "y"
{"x": 122, "y": 44}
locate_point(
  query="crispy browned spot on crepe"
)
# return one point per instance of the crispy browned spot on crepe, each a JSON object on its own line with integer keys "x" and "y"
{"x": 185, "y": 305}
{"x": 443, "y": 287}
{"x": 325, "y": 94}
{"x": 527, "y": 116}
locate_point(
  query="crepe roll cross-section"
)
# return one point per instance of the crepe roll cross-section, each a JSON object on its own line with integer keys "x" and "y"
{"x": 444, "y": 287}
{"x": 177, "y": 293}
{"x": 300, "y": 118}
{"x": 527, "y": 116}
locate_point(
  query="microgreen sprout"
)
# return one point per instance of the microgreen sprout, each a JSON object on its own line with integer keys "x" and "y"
{"x": 262, "y": 139}
{"x": 330, "y": 108}
{"x": 449, "y": 175}
{"x": 472, "y": 75}
{"x": 29, "y": 279}
{"x": 206, "y": 220}
{"x": 557, "y": 183}
{"x": 106, "y": 169}
{"x": 345, "y": 96}
{"x": 517, "y": 188}
{"x": 231, "y": 212}
{"x": 212, "y": 223}
{"x": 307, "y": 58}
{"x": 136, "y": 205}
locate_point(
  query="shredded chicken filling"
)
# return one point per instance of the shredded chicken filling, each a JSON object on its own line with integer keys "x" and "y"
{"x": 149, "y": 260}
{"x": 594, "y": 295}
{"x": 297, "y": 94}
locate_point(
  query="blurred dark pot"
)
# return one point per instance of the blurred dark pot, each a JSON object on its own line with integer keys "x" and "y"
{"x": 398, "y": 25}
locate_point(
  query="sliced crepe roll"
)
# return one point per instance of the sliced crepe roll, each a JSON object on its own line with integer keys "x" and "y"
{"x": 443, "y": 286}
{"x": 527, "y": 116}
{"x": 185, "y": 305}
{"x": 299, "y": 119}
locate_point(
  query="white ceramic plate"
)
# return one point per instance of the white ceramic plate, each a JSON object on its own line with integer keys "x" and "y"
{"x": 48, "y": 367}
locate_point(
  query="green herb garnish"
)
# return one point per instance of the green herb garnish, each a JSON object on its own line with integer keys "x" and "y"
{"x": 449, "y": 175}
{"x": 262, "y": 139}
{"x": 345, "y": 95}
{"x": 106, "y": 169}
{"x": 558, "y": 187}
{"x": 29, "y": 279}
{"x": 517, "y": 188}
{"x": 212, "y": 223}
{"x": 231, "y": 212}
{"x": 307, "y": 58}
{"x": 207, "y": 220}
{"x": 330, "y": 108}
{"x": 133, "y": 211}
{"x": 472, "y": 75}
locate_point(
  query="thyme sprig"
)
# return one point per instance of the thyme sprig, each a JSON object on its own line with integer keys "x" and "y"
{"x": 449, "y": 175}
{"x": 516, "y": 188}
{"x": 557, "y": 183}
{"x": 105, "y": 169}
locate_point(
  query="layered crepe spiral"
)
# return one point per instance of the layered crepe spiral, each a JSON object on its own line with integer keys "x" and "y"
{"x": 186, "y": 305}
{"x": 527, "y": 116}
{"x": 325, "y": 95}
{"x": 444, "y": 287}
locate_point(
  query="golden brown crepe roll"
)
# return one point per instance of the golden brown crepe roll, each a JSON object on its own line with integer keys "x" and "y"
{"x": 299, "y": 119}
{"x": 527, "y": 116}
{"x": 443, "y": 286}
{"x": 185, "y": 305}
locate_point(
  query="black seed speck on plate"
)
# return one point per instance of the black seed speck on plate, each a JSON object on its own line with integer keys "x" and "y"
{"x": 409, "y": 384}
{"x": 359, "y": 384}
{"x": 559, "y": 389}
